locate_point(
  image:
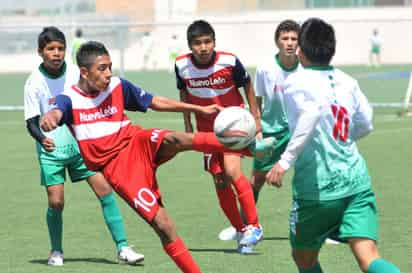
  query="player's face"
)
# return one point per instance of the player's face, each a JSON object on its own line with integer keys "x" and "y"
{"x": 287, "y": 43}
{"x": 53, "y": 56}
{"x": 99, "y": 74}
{"x": 202, "y": 48}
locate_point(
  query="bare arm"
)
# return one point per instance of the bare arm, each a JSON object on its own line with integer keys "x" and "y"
{"x": 163, "y": 104}
{"x": 253, "y": 105}
{"x": 51, "y": 120}
{"x": 186, "y": 115}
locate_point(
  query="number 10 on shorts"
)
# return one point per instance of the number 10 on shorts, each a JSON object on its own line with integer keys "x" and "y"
{"x": 144, "y": 199}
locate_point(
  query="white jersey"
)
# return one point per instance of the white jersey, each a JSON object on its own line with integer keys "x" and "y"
{"x": 269, "y": 84}
{"x": 327, "y": 113}
{"x": 40, "y": 92}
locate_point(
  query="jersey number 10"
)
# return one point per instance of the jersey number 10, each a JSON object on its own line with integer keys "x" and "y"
{"x": 341, "y": 126}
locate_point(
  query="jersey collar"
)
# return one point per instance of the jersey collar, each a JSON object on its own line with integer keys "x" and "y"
{"x": 48, "y": 75}
{"x": 320, "y": 68}
{"x": 294, "y": 66}
{"x": 205, "y": 66}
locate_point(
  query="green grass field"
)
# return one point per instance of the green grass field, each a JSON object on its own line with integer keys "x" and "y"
{"x": 189, "y": 195}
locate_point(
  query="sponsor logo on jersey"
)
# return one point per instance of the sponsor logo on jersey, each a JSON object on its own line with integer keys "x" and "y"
{"x": 208, "y": 82}
{"x": 99, "y": 114}
{"x": 277, "y": 88}
{"x": 52, "y": 101}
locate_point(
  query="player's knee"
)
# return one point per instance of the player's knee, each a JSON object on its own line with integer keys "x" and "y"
{"x": 304, "y": 261}
{"x": 164, "y": 226}
{"x": 56, "y": 203}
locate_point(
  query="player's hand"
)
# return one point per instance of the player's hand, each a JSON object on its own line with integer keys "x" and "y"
{"x": 50, "y": 120}
{"x": 259, "y": 135}
{"x": 275, "y": 176}
{"x": 48, "y": 144}
{"x": 211, "y": 109}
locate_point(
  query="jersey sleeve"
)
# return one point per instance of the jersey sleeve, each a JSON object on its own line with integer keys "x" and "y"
{"x": 259, "y": 83}
{"x": 180, "y": 83}
{"x": 362, "y": 119}
{"x": 31, "y": 102}
{"x": 135, "y": 98}
{"x": 64, "y": 103}
{"x": 240, "y": 75}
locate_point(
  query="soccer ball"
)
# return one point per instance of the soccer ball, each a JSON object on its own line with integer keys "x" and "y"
{"x": 235, "y": 127}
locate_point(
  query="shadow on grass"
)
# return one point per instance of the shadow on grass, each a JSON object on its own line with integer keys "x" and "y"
{"x": 82, "y": 260}
{"x": 224, "y": 250}
{"x": 275, "y": 238}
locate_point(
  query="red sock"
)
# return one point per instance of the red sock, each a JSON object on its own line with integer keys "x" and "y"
{"x": 227, "y": 201}
{"x": 181, "y": 256}
{"x": 207, "y": 142}
{"x": 246, "y": 200}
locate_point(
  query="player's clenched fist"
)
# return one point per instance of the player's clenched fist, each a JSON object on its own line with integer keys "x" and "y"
{"x": 51, "y": 120}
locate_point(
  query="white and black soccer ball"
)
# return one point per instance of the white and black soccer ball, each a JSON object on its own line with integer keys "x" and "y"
{"x": 235, "y": 127}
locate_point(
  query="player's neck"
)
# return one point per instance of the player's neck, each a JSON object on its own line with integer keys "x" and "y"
{"x": 52, "y": 73}
{"x": 85, "y": 88}
{"x": 287, "y": 63}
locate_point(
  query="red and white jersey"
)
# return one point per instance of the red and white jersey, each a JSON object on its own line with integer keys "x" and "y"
{"x": 99, "y": 123}
{"x": 217, "y": 83}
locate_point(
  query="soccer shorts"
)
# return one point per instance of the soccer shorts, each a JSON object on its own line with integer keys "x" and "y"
{"x": 311, "y": 222}
{"x": 265, "y": 164}
{"x": 376, "y": 49}
{"x": 132, "y": 173}
{"x": 54, "y": 174}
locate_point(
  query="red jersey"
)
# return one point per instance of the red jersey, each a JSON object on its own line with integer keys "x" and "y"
{"x": 215, "y": 84}
{"x": 99, "y": 123}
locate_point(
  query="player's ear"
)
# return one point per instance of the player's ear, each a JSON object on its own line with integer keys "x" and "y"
{"x": 84, "y": 72}
{"x": 40, "y": 52}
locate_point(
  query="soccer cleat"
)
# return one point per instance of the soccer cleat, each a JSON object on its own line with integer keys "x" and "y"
{"x": 128, "y": 256}
{"x": 244, "y": 249}
{"x": 251, "y": 235}
{"x": 228, "y": 234}
{"x": 263, "y": 148}
{"x": 55, "y": 258}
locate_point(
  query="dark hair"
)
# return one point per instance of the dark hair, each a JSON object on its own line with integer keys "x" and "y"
{"x": 199, "y": 28}
{"x": 286, "y": 26}
{"x": 88, "y": 52}
{"x": 78, "y": 33}
{"x": 317, "y": 41}
{"x": 50, "y": 34}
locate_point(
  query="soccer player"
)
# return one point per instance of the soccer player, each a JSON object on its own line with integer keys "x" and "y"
{"x": 327, "y": 113}
{"x": 269, "y": 82}
{"x": 58, "y": 151}
{"x": 206, "y": 76}
{"x": 76, "y": 43}
{"x": 127, "y": 155}
{"x": 375, "y": 50}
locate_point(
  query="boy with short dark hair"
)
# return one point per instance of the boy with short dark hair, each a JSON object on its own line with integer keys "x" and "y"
{"x": 332, "y": 196}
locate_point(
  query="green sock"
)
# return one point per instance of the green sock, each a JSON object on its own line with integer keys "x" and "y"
{"x": 315, "y": 269}
{"x": 382, "y": 266}
{"x": 55, "y": 226}
{"x": 114, "y": 220}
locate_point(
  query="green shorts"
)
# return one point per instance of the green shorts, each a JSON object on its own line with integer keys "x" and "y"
{"x": 376, "y": 49}
{"x": 53, "y": 174}
{"x": 265, "y": 164}
{"x": 311, "y": 222}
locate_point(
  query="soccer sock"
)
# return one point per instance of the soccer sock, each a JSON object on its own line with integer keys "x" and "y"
{"x": 208, "y": 143}
{"x": 114, "y": 220}
{"x": 227, "y": 201}
{"x": 55, "y": 226}
{"x": 247, "y": 203}
{"x": 315, "y": 269}
{"x": 382, "y": 266}
{"x": 181, "y": 256}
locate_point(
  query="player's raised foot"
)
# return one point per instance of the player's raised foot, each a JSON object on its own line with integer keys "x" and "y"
{"x": 251, "y": 235}
{"x": 127, "y": 255}
{"x": 228, "y": 234}
{"x": 263, "y": 148}
{"x": 55, "y": 258}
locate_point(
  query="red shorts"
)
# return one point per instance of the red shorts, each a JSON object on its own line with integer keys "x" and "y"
{"x": 214, "y": 162}
{"x": 132, "y": 173}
